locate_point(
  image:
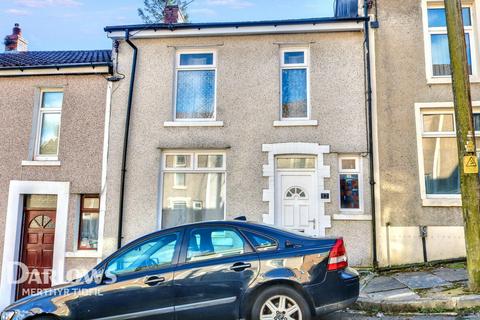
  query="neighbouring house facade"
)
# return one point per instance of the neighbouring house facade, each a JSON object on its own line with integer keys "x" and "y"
{"x": 418, "y": 181}
{"x": 266, "y": 120}
{"x": 52, "y": 113}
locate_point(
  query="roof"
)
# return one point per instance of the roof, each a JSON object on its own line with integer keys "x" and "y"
{"x": 54, "y": 59}
{"x": 164, "y": 26}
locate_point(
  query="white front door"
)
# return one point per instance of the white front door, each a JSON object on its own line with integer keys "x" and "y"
{"x": 297, "y": 200}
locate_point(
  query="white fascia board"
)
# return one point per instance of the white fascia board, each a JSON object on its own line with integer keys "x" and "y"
{"x": 347, "y": 26}
{"x": 54, "y": 71}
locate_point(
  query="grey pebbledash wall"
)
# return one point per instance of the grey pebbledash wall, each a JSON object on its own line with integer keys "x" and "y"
{"x": 248, "y": 103}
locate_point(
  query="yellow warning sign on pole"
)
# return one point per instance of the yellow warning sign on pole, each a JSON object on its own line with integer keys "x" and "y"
{"x": 470, "y": 164}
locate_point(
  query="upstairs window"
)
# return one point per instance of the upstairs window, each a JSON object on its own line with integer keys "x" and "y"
{"x": 294, "y": 80}
{"x": 48, "y": 131}
{"x": 196, "y": 86}
{"x": 438, "y": 55}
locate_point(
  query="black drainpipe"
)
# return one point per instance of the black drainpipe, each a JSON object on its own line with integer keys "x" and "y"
{"x": 370, "y": 133}
{"x": 125, "y": 139}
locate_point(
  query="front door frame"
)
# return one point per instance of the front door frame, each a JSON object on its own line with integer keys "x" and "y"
{"x": 13, "y": 233}
{"x": 322, "y": 172}
{"x": 50, "y": 213}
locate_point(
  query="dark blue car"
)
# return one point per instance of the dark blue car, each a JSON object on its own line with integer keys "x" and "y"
{"x": 212, "y": 270}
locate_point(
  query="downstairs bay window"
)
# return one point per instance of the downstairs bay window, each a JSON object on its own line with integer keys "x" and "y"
{"x": 438, "y": 155}
{"x": 193, "y": 187}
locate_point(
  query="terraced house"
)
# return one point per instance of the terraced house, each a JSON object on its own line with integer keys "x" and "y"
{"x": 419, "y": 214}
{"x": 265, "y": 119}
{"x": 52, "y": 116}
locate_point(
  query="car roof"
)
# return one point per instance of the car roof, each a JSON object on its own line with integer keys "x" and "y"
{"x": 253, "y": 226}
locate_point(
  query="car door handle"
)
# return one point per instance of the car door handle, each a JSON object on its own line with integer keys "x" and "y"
{"x": 240, "y": 266}
{"x": 154, "y": 281}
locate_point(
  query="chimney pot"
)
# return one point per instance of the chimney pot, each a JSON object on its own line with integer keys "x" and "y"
{"x": 172, "y": 14}
{"x": 15, "y": 42}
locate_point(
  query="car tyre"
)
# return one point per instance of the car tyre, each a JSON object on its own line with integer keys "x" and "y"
{"x": 280, "y": 302}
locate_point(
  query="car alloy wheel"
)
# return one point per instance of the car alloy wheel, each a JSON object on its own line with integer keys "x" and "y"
{"x": 280, "y": 308}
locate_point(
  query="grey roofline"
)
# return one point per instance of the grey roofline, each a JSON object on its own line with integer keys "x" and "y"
{"x": 59, "y": 66}
{"x": 164, "y": 26}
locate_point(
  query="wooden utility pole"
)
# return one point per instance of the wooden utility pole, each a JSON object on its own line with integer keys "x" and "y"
{"x": 468, "y": 163}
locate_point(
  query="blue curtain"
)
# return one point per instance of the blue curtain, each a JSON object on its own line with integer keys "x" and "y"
{"x": 346, "y": 8}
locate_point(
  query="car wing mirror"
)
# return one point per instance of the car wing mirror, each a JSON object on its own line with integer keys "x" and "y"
{"x": 290, "y": 244}
{"x": 98, "y": 276}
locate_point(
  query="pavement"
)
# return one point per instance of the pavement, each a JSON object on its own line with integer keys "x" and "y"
{"x": 345, "y": 315}
{"x": 438, "y": 289}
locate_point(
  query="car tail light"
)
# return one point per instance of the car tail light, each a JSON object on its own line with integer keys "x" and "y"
{"x": 337, "y": 258}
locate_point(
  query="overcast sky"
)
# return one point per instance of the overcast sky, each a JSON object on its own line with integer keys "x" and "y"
{"x": 78, "y": 24}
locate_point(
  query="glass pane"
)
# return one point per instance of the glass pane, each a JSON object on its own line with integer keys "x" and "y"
{"x": 294, "y": 57}
{"x": 89, "y": 230}
{"x": 437, "y": 18}
{"x": 52, "y": 100}
{"x": 196, "y": 59}
{"x": 180, "y": 180}
{"x": 205, "y": 188}
{"x": 260, "y": 243}
{"x": 441, "y": 54}
{"x": 476, "y": 121}
{"x": 210, "y": 161}
{"x": 49, "y": 134}
{"x": 349, "y": 191}
{"x": 441, "y": 166}
{"x": 91, "y": 202}
{"x": 349, "y": 164}
{"x": 178, "y": 161}
{"x": 48, "y": 223}
{"x": 438, "y": 123}
{"x": 296, "y": 163}
{"x": 40, "y": 201}
{"x": 36, "y": 223}
{"x": 152, "y": 254}
{"x": 294, "y": 93}
{"x": 195, "y": 94}
{"x": 208, "y": 243}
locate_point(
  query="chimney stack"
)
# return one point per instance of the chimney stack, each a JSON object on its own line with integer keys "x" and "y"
{"x": 172, "y": 14}
{"x": 15, "y": 42}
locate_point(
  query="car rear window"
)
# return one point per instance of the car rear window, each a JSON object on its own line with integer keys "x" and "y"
{"x": 261, "y": 242}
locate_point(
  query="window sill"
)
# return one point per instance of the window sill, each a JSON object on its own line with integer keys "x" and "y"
{"x": 448, "y": 80}
{"x": 83, "y": 254}
{"x": 41, "y": 163}
{"x": 193, "y": 124}
{"x": 295, "y": 123}
{"x": 442, "y": 202}
{"x": 352, "y": 217}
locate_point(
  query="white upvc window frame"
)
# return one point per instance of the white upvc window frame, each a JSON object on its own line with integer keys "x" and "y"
{"x": 471, "y": 30}
{"x": 421, "y": 109}
{"x": 179, "y": 67}
{"x": 358, "y": 170}
{"x": 291, "y": 66}
{"x": 39, "y": 122}
{"x": 191, "y": 169}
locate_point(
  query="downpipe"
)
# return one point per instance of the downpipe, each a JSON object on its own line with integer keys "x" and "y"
{"x": 125, "y": 139}
{"x": 370, "y": 131}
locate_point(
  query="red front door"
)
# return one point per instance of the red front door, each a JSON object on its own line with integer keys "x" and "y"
{"x": 37, "y": 252}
